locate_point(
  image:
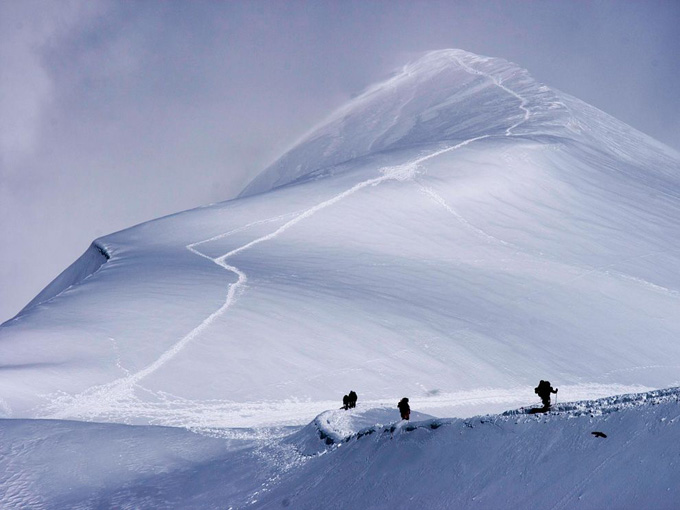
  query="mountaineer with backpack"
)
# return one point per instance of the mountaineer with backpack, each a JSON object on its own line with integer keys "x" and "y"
{"x": 543, "y": 390}
{"x": 404, "y": 408}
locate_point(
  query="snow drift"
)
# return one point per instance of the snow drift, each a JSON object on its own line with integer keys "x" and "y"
{"x": 86, "y": 265}
{"x": 496, "y": 461}
{"x": 502, "y": 461}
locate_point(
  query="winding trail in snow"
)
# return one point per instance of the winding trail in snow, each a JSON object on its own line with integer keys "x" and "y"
{"x": 499, "y": 83}
{"x": 101, "y": 399}
{"x": 117, "y": 399}
{"x": 98, "y": 399}
{"x": 402, "y": 172}
{"x": 509, "y": 132}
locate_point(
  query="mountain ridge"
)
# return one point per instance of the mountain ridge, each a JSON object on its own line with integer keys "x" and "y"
{"x": 552, "y": 460}
{"x": 423, "y": 87}
{"x": 447, "y": 268}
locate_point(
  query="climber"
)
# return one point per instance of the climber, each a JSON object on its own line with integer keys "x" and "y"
{"x": 404, "y": 408}
{"x": 543, "y": 390}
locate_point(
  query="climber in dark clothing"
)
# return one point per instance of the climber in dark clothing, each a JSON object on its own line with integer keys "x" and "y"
{"x": 404, "y": 408}
{"x": 544, "y": 390}
{"x": 345, "y": 402}
{"x": 352, "y": 399}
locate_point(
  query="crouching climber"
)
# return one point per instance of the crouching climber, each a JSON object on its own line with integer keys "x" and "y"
{"x": 404, "y": 408}
{"x": 543, "y": 390}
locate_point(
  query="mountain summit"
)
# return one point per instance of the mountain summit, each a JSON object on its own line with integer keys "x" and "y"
{"x": 454, "y": 234}
{"x": 445, "y": 97}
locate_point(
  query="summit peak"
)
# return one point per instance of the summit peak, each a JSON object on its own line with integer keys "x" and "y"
{"x": 445, "y": 96}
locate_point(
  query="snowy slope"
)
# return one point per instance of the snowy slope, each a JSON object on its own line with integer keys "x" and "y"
{"x": 454, "y": 235}
{"x": 444, "y": 97}
{"x": 502, "y": 461}
{"x": 497, "y": 461}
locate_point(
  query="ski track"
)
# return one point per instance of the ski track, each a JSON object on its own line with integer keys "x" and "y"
{"x": 117, "y": 400}
{"x": 119, "y": 394}
{"x": 584, "y": 272}
{"x": 439, "y": 200}
{"x": 637, "y": 369}
{"x": 602, "y": 270}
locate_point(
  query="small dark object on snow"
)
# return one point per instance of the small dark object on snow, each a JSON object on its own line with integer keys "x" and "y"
{"x": 544, "y": 390}
{"x": 345, "y": 402}
{"x": 352, "y": 399}
{"x": 598, "y": 434}
{"x": 404, "y": 409}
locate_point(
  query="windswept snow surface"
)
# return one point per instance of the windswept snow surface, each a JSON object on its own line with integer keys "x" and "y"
{"x": 365, "y": 458}
{"x": 514, "y": 460}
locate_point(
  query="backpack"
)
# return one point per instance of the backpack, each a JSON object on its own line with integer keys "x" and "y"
{"x": 538, "y": 388}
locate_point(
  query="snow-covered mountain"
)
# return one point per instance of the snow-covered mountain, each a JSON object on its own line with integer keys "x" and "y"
{"x": 453, "y": 235}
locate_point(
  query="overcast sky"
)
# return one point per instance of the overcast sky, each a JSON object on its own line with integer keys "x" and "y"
{"x": 114, "y": 113}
